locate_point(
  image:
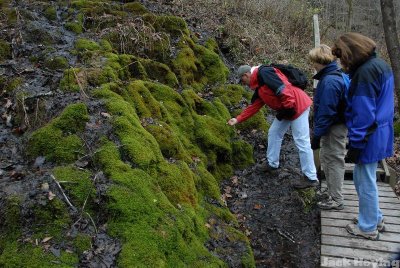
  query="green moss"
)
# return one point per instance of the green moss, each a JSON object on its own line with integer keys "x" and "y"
{"x": 105, "y": 46}
{"x": 242, "y": 154}
{"x": 50, "y": 13}
{"x": 232, "y": 95}
{"x": 82, "y": 242}
{"x": 10, "y": 85}
{"x": 10, "y": 222}
{"x": 168, "y": 140}
{"x": 160, "y": 72}
{"x": 17, "y": 254}
{"x": 78, "y": 185}
{"x": 176, "y": 181}
{"x": 82, "y": 45}
{"x": 397, "y": 129}
{"x": 257, "y": 121}
{"x": 171, "y": 24}
{"x": 206, "y": 184}
{"x": 69, "y": 81}
{"x": 56, "y": 63}
{"x": 54, "y": 215}
{"x": 5, "y": 50}
{"x": 308, "y": 198}
{"x": 57, "y": 140}
{"x": 212, "y": 45}
{"x": 197, "y": 66}
{"x": 135, "y": 7}
{"x": 76, "y": 25}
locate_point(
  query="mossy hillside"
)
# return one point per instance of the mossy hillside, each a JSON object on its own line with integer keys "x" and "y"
{"x": 57, "y": 141}
{"x": 160, "y": 72}
{"x": 153, "y": 231}
{"x": 135, "y": 8}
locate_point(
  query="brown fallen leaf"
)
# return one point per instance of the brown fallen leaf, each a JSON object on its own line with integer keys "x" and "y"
{"x": 257, "y": 206}
{"x": 51, "y": 195}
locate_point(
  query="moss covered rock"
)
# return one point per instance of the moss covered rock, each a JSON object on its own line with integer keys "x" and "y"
{"x": 58, "y": 140}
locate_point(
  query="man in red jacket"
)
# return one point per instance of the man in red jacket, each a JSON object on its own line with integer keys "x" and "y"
{"x": 272, "y": 88}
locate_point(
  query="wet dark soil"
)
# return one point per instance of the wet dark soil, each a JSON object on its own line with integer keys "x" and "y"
{"x": 282, "y": 230}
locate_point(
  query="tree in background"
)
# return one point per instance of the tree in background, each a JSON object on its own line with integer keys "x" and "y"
{"x": 392, "y": 42}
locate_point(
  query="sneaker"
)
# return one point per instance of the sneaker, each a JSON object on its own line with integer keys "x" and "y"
{"x": 381, "y": 225}
{"x": 304, "y": 182}
{"x": 265, "y": 168}
{"x": 354, "y": 230}
{"x": 330, "y": 204}
{"x": 322, "y": 194}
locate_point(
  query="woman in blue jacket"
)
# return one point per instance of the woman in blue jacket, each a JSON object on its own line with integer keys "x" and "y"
{"x": 329, "y": 125}
{"x": 369, "y": 119}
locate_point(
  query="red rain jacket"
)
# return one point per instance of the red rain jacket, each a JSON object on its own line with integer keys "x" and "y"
{"x": 288, "y": 96}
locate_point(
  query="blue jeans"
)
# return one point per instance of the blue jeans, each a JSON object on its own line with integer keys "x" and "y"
{"x": 369, "y": 213}
{"x": 301, "y": 137}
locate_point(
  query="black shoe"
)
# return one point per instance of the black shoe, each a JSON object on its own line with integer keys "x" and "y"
{"x": 265, "y": 168}
{"x": 304, "y": 182}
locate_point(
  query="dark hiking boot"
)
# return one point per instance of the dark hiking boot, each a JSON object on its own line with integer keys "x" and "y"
{"x": 304, "y": 182}
{"x": 264, "y": 167}
{"x": 381, "y": 225}
{"x": 322, "y": 194}
{"x": 329, "y": 204}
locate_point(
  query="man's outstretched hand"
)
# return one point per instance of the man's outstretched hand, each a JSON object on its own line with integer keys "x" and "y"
{"x": 232, "y": 121}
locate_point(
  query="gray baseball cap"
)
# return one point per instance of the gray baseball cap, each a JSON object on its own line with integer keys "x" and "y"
{"x": 241, "y": 71}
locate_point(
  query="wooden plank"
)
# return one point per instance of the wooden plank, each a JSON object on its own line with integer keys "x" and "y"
{"x": 381, "y": 188}
{"x": 358, "y": 254}
{"x": 381, "y": 193}
{"x": 391, "y": 228}
{"x": 385, "y": 211}
{"x": 354, "y": 203}
{"x": 350, "y": 216}
{"x": 384, "y": 199}
{"x": 334, "y": 262}
{"x": 341, "y": 231}
{"x": 360, "y": 243}
{"x": 386, "y": 169}
{"x": 350, "y": 185}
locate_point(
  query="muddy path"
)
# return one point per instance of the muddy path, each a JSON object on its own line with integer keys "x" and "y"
{"x": 283, "y": 229}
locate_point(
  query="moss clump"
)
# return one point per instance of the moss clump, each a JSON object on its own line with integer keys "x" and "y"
{"x": 154, "y": 233}
{"x": 78, "y": 185}
{"x": 82, "y": 242}
{"x": 160, "y": 72}
{"x": 242, "y": 154}
{"x": 56, "y": 63}
{"x": 135, "y": 7}
{"x": 10, "y": 221}
{"x": 146, "y": 105}
{"x": 5, "y": 50}
{"x": 232, "y": 95}
{"x": 76, "y": 25}
{"x": 397, "y": 129}
{"x": 257, "y": 121}
{"x": 10, "y": 85}
{"x": 177, "y": 183}
{"x": 50, "y": 13}
{"x": 69, "y": 82}
{"x": 197, "y": 66}
{"x": 57, "y": 140}
{"x": 171, "y": 24}
{"x": 308, "y": 198}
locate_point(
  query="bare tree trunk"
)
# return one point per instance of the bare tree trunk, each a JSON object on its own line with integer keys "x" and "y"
{"x": 392, "y": 42}
{"x": 349, "y": 15}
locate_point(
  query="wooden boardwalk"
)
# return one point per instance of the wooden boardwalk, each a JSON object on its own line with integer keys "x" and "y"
{"x": 340, "y": 249}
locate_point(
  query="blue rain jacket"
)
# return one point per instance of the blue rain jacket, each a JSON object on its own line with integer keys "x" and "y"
{"x": 370, "y": 110}
{"x": 329, "y": 103}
